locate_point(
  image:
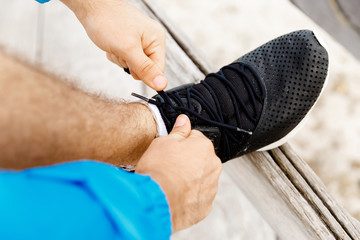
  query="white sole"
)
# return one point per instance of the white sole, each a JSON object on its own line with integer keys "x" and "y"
{"x": 303, "y": 121}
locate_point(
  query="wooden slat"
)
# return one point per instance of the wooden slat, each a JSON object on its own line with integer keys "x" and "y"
{"x": 277, "y": 199}
{"x": 287, "y": 193}
{"x": 348, "y": 223}
{"x": 341, "y": 19}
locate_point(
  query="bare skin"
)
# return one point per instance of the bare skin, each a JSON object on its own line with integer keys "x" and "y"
{"x": 43, "y": 121}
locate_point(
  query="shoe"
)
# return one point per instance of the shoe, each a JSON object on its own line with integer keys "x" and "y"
{"x": 257, "y": 102}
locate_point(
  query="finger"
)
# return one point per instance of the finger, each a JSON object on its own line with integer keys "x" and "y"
{"x": 110, "y": 57}
{"x": 155, "y": 49}
{"x": 116, "y": 60}
{"x": 157, "y": 54}
{"x": 206, "y": 143}
{"x": 182, "y": 127}
{"x": 133, "y": 74}
{"x": 215, "y": 166}
{"x": 146, "y": 69}
{"x": 121, "y": 62}
{"x": 159, "y": 59}
{"x": 197, "y": 134}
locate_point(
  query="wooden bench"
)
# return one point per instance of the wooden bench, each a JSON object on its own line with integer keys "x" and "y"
{"x": 282, "y": 187}
{"x": 339, "y": 18}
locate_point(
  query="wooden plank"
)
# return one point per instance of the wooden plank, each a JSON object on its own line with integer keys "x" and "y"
{"x": 277, "y": 200}
{"x": 348, "y": 223}
{"x": 289, "y": 195}
{"x": 341, "y": 19}
{"x": 350, "y": 9}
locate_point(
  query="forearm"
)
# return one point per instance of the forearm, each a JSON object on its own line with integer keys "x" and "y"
{"x": 79, "y": 7}
{"x": 43, "y": 121}
{"x": 82, "y": 8}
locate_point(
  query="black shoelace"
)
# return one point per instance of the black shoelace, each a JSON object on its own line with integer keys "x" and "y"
{"x": 173, "y": 105}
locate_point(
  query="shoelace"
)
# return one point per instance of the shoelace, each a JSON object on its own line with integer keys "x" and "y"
{"x": 173, "y": 104}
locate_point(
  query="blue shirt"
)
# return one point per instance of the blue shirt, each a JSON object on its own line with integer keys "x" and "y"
{"x": 81, "y": 200}
{"x": 43, "y": 1}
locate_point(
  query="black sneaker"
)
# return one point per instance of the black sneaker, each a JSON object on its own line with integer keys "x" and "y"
{"x": 258, "y": 101}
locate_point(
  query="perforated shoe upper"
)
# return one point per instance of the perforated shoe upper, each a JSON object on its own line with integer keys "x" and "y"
{"x": 293, "y": 68}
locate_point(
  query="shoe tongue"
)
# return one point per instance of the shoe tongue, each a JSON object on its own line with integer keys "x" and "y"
{"x": 223, "y": 94}
{"x": 224, "y": 99}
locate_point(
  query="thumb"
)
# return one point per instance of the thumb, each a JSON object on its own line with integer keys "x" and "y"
{"x": 146, "y": 69}
{"x": 182, "y": 127}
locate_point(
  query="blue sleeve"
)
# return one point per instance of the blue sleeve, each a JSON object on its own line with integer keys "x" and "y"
{"x": 43, "y": 1}
{"x": 81, "y": 200}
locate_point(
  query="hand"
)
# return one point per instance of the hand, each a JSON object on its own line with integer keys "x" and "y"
{"x": 185, "y": 166}
{"x": 129, "y": 38}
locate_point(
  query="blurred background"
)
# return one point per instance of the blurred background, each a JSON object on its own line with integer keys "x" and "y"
{"x": 50, "y": 36}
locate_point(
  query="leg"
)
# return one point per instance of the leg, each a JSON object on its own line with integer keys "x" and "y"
{"x": 43, "y": 121}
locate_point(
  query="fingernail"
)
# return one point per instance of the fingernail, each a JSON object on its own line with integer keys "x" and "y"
{"x": 180, "y": 121}
{"x": 159, "y": 82}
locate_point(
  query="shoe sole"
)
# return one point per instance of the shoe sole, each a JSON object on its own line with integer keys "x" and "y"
{"x": 303, "y": 121}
